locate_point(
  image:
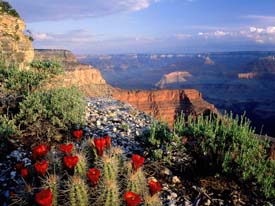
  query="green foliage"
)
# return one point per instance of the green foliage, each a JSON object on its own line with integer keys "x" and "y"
{"x": 230, "y": 144}
{"x": 49, "y": 110}
{"x": 5, "y": 7}
{"x": 161, "y": 142}
{"x": 7, "y": 127}
{"x": 21, "y": 83}
{"x": 49, "y": 67}
{"x": 35, "y": 110}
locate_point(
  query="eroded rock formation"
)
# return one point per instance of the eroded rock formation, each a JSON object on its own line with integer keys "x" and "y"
{"x": 162, "y": 104}
{"x": 166, "y": 105}
{"x": 249, "y": 75}
{"x": 15, "y": 47}
{"x": 173, "y": 78}
{"x": 59, "y": 55}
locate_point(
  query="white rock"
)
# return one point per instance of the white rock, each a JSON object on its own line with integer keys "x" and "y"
{"x": 176, "y": 180}
{"x": 98, "y": 123}
{"x": 166, "y": 171}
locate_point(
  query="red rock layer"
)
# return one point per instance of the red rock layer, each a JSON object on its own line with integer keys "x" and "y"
{"x": 165, "y": 105}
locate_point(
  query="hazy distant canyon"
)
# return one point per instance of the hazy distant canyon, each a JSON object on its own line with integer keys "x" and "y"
{"x": 234, "y": 81}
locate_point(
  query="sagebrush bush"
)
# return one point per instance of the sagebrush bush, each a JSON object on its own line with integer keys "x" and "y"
{"x": 34, "y": 109}
{"x": 163, "y": 143}
{"x": 50, "y": 67}
{"x": 7, "y": 126}
{"x": 52, "y": 110}
{"x": 20, "y": 82}
{"x": 231, "y": 144}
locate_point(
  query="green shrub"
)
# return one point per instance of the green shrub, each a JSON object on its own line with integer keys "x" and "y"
{"x": 5, "y": 7}
{"x": 49, "y": 67}
{"x": 229, "y": 143}
{"x": 46, "y": 113}
{"x": 162, "y": 144}
{"x": 35, "y": 110}
{"x": 20, "y": 83}
{"x": 7, "y": 127}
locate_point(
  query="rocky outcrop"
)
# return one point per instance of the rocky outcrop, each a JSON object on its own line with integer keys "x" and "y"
{"x": 173, "y": 78}
{"x": 249, "y": 75}
{"x": 59, "y": 55}
{"x": 166, "y": 105}
{"x": 15, "y": 47}
{"x": 87, "y": 78}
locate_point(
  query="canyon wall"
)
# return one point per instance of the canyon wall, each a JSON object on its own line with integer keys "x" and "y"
{"x": 166, "y": 105}
{"x": 86, "y": 77}
{"x": 15, "y": 47}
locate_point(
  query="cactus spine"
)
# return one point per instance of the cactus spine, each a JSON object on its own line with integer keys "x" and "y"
{"x": 81, "y": 167}
{"x": 110, "y": 195}
{"x": 78, "y": 192}
{"x": 52, "y": 182}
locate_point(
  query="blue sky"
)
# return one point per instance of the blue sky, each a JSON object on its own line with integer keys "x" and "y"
{"x": 150, "y": 26}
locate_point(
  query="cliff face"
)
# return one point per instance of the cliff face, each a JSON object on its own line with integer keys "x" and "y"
{"x": 63, "y": 56}
{"x": 15, "y": 47}
{"x": 166, "y": 105}
{"x": 86, "y": 77}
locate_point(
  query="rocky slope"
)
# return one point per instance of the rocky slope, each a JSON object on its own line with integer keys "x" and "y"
{"x": 15, "y": 47}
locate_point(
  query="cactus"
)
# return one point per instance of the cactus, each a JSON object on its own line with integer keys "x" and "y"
{"x": 52, "y": 182}
{"x": 81, "y": 167}
{"x": 152, "y": 200}
{"x": 137, "y": 183}
{"x": 136, "y": 180}
{"x": 78, "y": 192}
{"x": 110, "y": 187}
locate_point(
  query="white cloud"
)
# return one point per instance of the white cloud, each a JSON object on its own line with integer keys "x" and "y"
{"x": 51, "y": 10}
{"x": 256, "y": 30}
{"x": 214, "y": 34}
{"x": 220, "y": 33}
{"x": 270, "y": 30}
{"x": 41, "y": 36}
{"x": 260, "y": 35}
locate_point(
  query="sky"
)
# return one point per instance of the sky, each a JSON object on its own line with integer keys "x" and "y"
{"x": 150, "y": 26}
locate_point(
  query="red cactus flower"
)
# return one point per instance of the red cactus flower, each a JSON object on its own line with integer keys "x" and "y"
{"x": 93, "y": 175}
{"x": 44, "y": 197}
{"x": 41, "y": 167}
{"x": 24, "y": 172}
{"x": 132, "y": 199}
{"x": 108, "y": 141}
{"x": 154, "y": 186}
{"x": 66, "y": 148}
{"x": 137, "y": 161}
{"x": 70, "y": 161}
{"x": 40, "y": 151}
{"x": 77, "y": 134}
{"x": 100, "y": 145}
